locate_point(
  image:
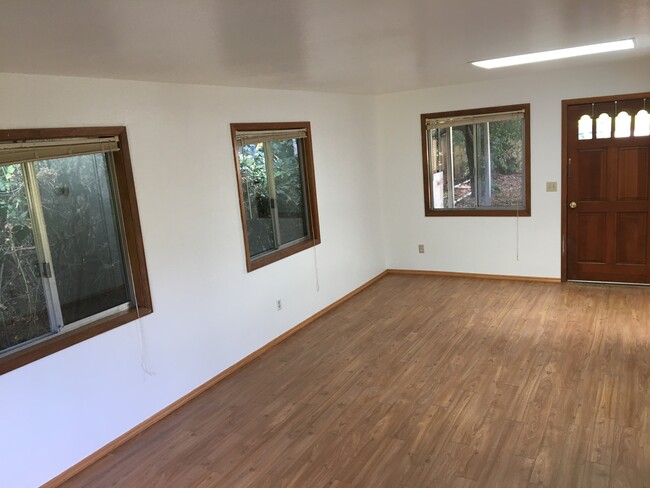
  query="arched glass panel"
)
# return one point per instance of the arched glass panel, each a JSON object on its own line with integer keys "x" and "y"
{"x": 585, "y": 130}
{"x": 623, "y": 126}
{"x": 603, "y": 127}
{"x": 642, "y": 123}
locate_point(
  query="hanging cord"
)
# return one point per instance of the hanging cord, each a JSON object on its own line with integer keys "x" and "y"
{"x": 138, "y": 324}
{"x": 310, "y": 211}
{"x": 517, "y": 217}
{"x": 143, "y": 352}
{"x": 517, "y": 220}
{"x": 316, "y": 267}
{"x": 313, "y": 236}
{"x": 141, "y": 342}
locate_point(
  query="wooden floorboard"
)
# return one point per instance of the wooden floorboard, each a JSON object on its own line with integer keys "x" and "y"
{"x": 423, "y": 381}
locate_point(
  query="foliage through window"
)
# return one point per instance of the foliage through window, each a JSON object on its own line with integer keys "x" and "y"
{"x": 477, "y": 162}
{"x": 71, "y": 259}
{"x": 277, "y": 191}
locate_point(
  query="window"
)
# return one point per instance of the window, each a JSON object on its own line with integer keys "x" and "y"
{"x": 72, "y": 257}
{"x": 477, "y": 162}
{"x": 603, "y": 127}
{"x": 277, "y": 194}
{"x": 622, "y": 123}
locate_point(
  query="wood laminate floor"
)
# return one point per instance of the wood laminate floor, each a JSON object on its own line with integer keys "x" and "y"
{"x": 423, "y": 382}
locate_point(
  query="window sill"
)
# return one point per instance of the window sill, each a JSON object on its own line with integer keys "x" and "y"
{"x": 57, "y": 342}
{"x": 476, "y": 213}
{"x": 253, "y": 264}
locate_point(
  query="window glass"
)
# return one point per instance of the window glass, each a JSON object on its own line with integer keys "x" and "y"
{"x": 623, "y": 125}
{"x": 277, "y": 190}
{"x": 274, "y": 194}
{"x": 76, "y": 268}
{"x": 289, "y": 190}
{"x": 477, "y": 162}
{"x": 257, "y": 200}
{"x": 603, "y": 127}
{"x": 23, "y": 308}
{"x": 83, "y": 232}
{"x": 585, "y": 128}
{"x": 642, "y": 124}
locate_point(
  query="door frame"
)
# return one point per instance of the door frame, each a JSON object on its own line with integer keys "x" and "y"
{"x": 565, "y": 162}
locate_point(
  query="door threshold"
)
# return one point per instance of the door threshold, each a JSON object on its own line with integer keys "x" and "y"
{"x": 591, "y": 282}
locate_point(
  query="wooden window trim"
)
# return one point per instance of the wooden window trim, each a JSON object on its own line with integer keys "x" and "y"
{"x": 313, "y": 238}
{"x": 132, "y": 237}
{"x": 488, "y": 212}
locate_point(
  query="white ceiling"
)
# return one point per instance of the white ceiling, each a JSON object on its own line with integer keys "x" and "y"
{"x": 350, "y": 46}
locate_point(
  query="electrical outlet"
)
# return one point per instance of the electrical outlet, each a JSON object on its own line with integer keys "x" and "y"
{"x": 278, "y": 304}
{"x": 551, "y": 186}
{"x": 421, "y": 248}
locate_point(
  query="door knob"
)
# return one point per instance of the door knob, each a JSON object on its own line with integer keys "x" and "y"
{"x": 573, "y": 205}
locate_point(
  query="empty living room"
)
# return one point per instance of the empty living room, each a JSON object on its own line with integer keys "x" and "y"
{"x": 325, "y": 244}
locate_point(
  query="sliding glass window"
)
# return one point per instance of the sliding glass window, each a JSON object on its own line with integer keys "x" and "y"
{"x": 477, "y": 162}
{"x": 277, "y": 190}
{"x": 65, "y": 260}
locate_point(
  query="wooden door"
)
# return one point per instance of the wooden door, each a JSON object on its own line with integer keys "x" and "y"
{"x": 608, "y": 191}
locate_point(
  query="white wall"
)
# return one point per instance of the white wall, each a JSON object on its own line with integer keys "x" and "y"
{"x": 208, "y": 311}
{"x": 486, "y": 244}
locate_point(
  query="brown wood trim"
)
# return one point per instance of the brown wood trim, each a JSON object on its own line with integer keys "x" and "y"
{"x": 605, "y": 99}
{"x": 477, "y": 213}
{"x": 141, "y": 427}
{"x": 310, "y": 183}
{"x": 59, "y": 133}
{"x": 280, "y": 254}
{"x": 537, "y": 279}
{"x": 131, "y": 220}
{"x": 57, "y": 342}
{"x": 563, "y": 196}
{"x": 429, "y": 212}
{"x": 425, "y": 163}
{"x": 133, "y": 237}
